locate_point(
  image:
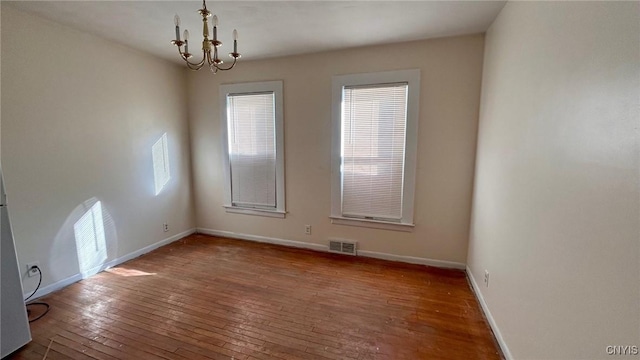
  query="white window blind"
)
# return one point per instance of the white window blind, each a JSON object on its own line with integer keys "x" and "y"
{"x": 374, "y": 122}
{"x": 252, "y": 149}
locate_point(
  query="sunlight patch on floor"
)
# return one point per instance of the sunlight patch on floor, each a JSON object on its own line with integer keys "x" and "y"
{"x": 128, "y": 272}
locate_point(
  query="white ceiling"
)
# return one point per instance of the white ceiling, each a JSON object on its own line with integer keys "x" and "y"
{"x": 270, "y": 28}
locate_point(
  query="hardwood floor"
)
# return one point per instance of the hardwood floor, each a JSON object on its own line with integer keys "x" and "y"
{"x": 210, "y": 298}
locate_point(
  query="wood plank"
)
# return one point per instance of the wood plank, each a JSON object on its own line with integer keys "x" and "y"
{"x": 206, "y": 297}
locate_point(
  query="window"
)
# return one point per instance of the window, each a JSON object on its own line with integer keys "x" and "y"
{"x": 375, "y": 120}
{"x": 253, "y": 140}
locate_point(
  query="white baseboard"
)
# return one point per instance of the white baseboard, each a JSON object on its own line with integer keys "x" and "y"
{"x": 262, "y": 239}
{"x": 147, "y": 249}
{"x": 413, "y": 260}
{"x": 53, "y": 287}
{"x": 319, "y": 247}
{"x": 487, "y": 313}
{"x": 77, "y": 277}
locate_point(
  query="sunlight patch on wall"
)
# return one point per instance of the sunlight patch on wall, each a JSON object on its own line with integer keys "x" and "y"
{"x": 65, "y": 254}
{"x": 160, "y": 153}
{"x": 90, "y": 240}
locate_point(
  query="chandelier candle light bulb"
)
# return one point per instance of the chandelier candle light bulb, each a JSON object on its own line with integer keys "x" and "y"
{"x": 185, "y": 35}
{"x": 215, "y": 28}
{"x": 176, "y": 20}
{"x": 235, "y": 41}
{"x": 215, "y": 64}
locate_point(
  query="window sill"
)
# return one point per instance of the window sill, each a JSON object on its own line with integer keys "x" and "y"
{"x": 375, "y": 224}
{"x": 256, "y": 212}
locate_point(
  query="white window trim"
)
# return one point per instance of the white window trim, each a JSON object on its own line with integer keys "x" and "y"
{"x": 412, "y": 78}
{"x": 375, "y": 224}
{"x": 255, "y": 87}
{"x": 252, "y": 211}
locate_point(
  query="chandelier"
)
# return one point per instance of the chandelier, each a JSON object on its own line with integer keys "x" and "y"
{"x": 212, "y": 60}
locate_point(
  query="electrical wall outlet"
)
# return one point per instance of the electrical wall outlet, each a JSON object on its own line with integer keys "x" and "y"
{"x": 165, "y": 227}
{"x": 31, "y": 272}
{"x": 486, "y": 278}
{"x": 307, "y": 229}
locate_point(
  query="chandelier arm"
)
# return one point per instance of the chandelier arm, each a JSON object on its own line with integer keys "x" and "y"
{"x": 209, "y": 60}
{"x": 190, "y": 64}
{"x": 182, "y": 55}
{"x": 228, "y": 68}
{"x": 194, "y": 67}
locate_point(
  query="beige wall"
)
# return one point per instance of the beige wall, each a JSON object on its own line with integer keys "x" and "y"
{"x": 450, "y": 92}
{"x": 0, "y": 88}
{"x": 556, "y": 215}
{"x": 79, "y": 117}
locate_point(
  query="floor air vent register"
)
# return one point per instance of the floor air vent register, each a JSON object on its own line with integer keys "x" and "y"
{"x": 342, "y": 247}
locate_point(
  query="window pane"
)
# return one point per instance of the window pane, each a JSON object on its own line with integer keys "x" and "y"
{"x": 252, "y": 149}
{"x": 373, "y": 144}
